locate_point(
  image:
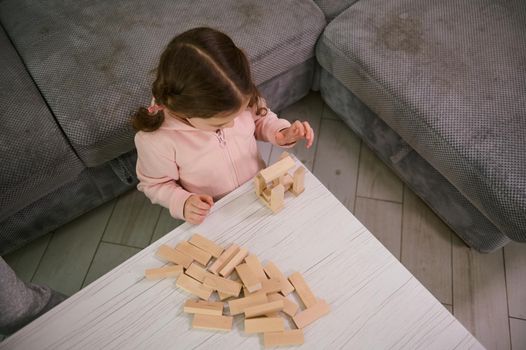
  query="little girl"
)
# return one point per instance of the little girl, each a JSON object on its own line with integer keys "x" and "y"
{"x": 197, "y": 140}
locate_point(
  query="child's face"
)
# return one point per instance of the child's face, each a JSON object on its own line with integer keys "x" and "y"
{"x": 220, "y": 121}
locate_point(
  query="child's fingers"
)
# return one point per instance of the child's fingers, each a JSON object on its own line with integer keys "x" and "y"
{"x": 195, "y": 219}
{"x": 295, "y": 132}
{"x": 198, "y": 211}
{"x": 207, "y": 199}
{"x": 311, "y": 138}
{"x": 298, "y": 129}
{"x": 309, "y": 134}
{"x": 280, "y": 138}
{"x": 199, "y": 203}
{"x": 291, "y": 134}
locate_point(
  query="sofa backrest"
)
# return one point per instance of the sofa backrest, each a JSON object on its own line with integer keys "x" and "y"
{"x": 93, "y": 62}
{"x": 35, "y": 157}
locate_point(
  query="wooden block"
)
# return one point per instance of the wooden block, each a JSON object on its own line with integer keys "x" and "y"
{"x": 289, "y": 307}
{"x": 268, "y": 286}
{"x": 248, "y": 277}
{"x": 163, "y": 272}
{"x": 259, "y": 185}
{"x": 170, "y": 254}
{"x": 223, "y": 259}
{"x": 266, "y": 196}
{"x": 287, "y": 182}
{"x": 264, "y": 324}
{"x": 236, "y": 260}
{"x": 273, "y": 272}
{"x": 224, "y": 296}
{"x": 303, "y": 290}
{"x": 285, "y": 338}
{"x": 203, "y": 307}
{"x": 298, "y": 181}
{"x": 283, "y": 155}
{"x": 192, "y": 286}
{"x": 222, "y": 284}
{"x": 195, "y": 253}
{"x": 277, "y": 196}
{"x": 206, "y": 245}
{"x": 197, "y": 272}
{"x": 262, "y": 309}
{"x": 213, "y": 322}
{"x": 311, "y": 314}
{"x": 238, "y": 306}
{"x": 277, "y": 169}
{"x": 255, "y": 265}
{"x": 271, "y": 286}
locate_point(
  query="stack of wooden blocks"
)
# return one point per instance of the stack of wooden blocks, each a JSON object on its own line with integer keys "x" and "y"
{"x": 203, "y": 267}
{"x": 271, "y": 183}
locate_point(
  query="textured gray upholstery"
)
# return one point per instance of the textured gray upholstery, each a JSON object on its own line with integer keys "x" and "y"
{"x": 35, "y": 157}
{"x": 286, "y": 88}
{"x": 442, "y": 197}
{"x": 332, "y": 8}
{"x": 89, "y": 189}
{"x": 450, "y": 78}
{"x": 90, "y": 60}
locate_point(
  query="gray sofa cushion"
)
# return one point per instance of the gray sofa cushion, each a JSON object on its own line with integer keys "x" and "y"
{"x": 92, "y": 60}
{"x": 450, "y": 78}
{"x": 35, "y": 158}
{"x": 89, "y": 189}
{"x": 441, "y": 196}
{"x": 332, "y": 8}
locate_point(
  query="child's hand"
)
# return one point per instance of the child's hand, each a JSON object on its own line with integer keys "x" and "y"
{"x": 297, "y": 131}
{"x": 196, "y": 208}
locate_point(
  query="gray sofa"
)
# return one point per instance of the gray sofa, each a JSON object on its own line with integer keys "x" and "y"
{"x": 445, "y": 111}
{"x": 438, "y": 90}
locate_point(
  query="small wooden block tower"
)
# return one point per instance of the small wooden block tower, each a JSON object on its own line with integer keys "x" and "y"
{"x": 271, "y": 183}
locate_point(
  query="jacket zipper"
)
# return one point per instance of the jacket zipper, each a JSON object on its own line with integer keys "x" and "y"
{"x": 222, "y": 141}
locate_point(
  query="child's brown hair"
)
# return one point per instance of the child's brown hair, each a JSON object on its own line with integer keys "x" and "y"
{"x": 201, "y": 73}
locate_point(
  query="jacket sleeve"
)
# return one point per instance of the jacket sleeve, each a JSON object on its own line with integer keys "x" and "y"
{"x": 268, "y": 125}
{"x": 158, "y": 175}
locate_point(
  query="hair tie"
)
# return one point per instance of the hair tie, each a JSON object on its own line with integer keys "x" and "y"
{"x": 154, "y": 109}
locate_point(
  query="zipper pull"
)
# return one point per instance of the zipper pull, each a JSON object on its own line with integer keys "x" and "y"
{"x": 221, "y": 137}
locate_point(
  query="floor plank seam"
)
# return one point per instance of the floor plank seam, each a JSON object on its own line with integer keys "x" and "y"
{"x": 317, "y": 141}
{"x": 100, "y": 241}
{"x": 155, "y": 226}
{"x": 123, "y": 245}
{"x": 42, "y": 256}
{"x": 452, "y": 277}
{"x": 357, "y": 175}
{"x": 506, "y": 290}
{"x": 383, "y": 200}
{"x": 402, "y": 224}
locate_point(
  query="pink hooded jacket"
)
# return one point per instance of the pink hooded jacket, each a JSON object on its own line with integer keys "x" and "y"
{"x": 178, "y": 160}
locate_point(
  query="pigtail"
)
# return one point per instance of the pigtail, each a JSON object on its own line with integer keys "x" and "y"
{"x": 258, "y": 103}
{"x": 142, "y": 120}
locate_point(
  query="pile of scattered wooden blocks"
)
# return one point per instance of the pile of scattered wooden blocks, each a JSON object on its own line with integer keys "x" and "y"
{"x": 203, "y": 267}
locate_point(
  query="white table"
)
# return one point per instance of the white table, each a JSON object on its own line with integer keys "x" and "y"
{"x": 376, "y": 302}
